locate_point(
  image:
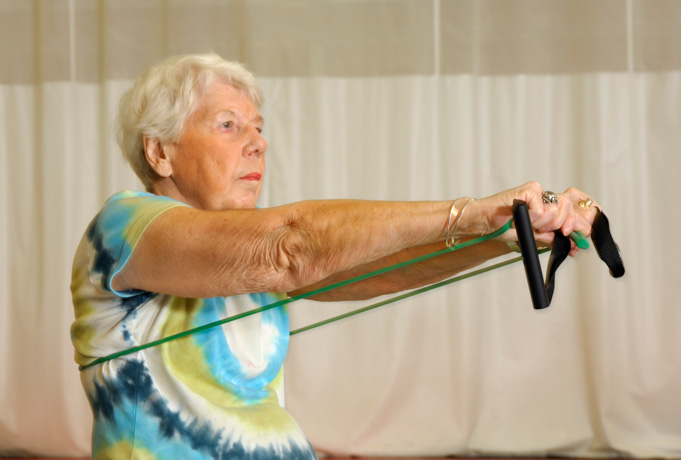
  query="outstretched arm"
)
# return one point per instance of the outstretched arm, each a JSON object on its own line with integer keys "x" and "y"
{"x": 196, "y": 253}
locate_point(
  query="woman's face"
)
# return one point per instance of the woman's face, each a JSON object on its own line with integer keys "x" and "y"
{"x": 219, "y": 160}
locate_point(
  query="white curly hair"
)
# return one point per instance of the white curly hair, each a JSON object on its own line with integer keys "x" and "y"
{"x": 162, "y": 99}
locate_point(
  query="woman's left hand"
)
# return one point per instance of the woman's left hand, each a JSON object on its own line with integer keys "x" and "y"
{"x": 575, "y": 211}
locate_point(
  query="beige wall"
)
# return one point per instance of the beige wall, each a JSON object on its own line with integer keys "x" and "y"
{"x": 342, "y": 38}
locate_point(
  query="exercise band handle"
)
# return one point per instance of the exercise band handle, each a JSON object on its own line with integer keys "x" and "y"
{"x": 528, "y": 248}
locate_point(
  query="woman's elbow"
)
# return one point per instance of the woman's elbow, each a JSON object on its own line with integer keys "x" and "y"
{"x": 297, "y": 261}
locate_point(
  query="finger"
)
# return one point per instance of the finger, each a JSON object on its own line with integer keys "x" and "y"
{"x": 577, "y": 195}
{"x": 552, "y": 218}
{"x": 561, "y": 212}
{"x": 585, "y": 210}
{"x": 568, "y": 224}
{"x": 531, "y": 193}
{"x": 584, "y": 219}
{"x": 583, "y": 223}
{"x": 544, "y": 239}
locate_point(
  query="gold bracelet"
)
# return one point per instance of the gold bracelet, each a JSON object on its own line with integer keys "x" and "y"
{"x": 453, "y": 213}
{"x": 456, "y": 224}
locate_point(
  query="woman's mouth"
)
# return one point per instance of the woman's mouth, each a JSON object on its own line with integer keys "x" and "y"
{"x": 252, "y": 176}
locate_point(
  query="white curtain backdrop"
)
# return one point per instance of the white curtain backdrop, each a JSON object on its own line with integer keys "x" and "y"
{"x": 394, "y": 100}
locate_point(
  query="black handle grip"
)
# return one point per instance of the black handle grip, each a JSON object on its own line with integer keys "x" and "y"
{"x": 528, "y": 247}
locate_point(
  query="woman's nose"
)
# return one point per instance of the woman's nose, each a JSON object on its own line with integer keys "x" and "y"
{"x": 257, "y": 145}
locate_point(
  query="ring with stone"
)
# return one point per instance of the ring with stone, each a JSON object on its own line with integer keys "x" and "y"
{"x": 586, "y": 204}
{"x": 549, "y": 198}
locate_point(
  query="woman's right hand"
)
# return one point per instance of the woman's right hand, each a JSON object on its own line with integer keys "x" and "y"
{"x": 491, "y": 213}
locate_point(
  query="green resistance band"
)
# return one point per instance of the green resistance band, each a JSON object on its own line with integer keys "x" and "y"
{"x": 413, "y": 293}
{"x": 330, "y": 287}
{"x": 580, "y": 240}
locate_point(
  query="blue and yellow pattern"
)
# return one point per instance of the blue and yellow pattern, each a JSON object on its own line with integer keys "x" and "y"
{"x": 214, "y": 394}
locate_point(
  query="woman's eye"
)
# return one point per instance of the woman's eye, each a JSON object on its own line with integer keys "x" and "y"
{"x": 227, "y": 124}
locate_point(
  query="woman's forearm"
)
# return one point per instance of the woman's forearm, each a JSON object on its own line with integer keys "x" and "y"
{"x": 195, "y": 253}
{"x": 330, "y": 237}
{"x": 408, "y": 277}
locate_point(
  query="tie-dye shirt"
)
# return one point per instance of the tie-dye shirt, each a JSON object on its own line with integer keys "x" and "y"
{"x": 210, "y": 395}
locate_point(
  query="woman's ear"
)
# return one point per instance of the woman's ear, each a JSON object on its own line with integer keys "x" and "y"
{"x": 157, "y": 156}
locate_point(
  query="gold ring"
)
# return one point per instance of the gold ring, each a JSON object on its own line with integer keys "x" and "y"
{"x": 586, "y": 204}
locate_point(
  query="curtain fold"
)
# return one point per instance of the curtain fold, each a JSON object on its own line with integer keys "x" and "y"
{"x": 569, "y": 93}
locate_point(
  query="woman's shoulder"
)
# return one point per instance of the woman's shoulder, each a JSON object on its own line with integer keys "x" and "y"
{"x": 129, "y": 205}
{"x": 136, "y": 196}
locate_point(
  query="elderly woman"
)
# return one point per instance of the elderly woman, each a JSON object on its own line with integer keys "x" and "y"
{"x": 193, "y": 249}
